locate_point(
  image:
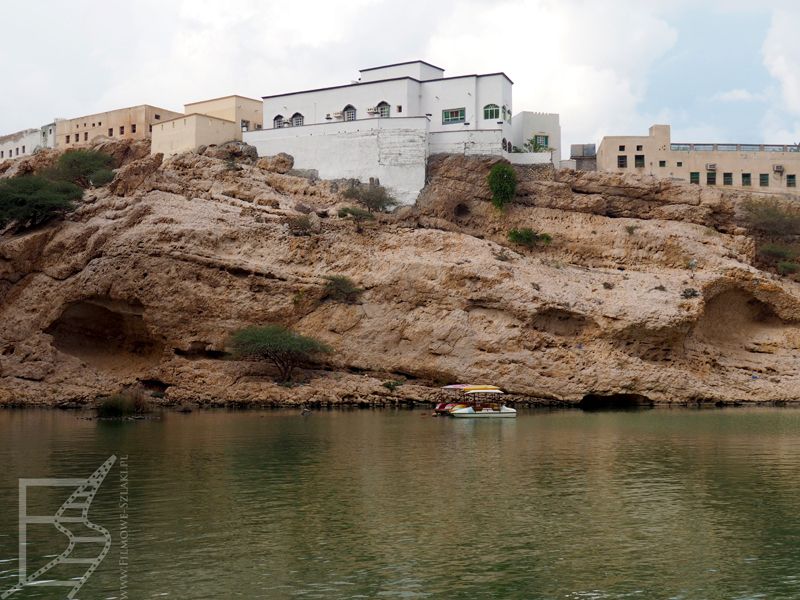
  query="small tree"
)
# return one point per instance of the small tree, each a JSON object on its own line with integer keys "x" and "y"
{"x": 374, "y": 197}
{"x": 528, "y": 237}
{"x": 358, "y": 214}
{"x": 772, "y": 217}
{"x": 341, "y": 289}
{"x": 278, "y": 344}
{"x": 31, "y": 200}
{"x": 83, "y": 167}
{"x": 502, "y": 182}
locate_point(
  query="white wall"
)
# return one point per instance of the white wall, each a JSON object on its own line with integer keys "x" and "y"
{"x": 526, "y": 124}
{"x": 21, "y": 143}
{"x": 530, "y": 158}
{"x": 466, "y": 142}
{"x": 393, "y": 150}
{"x": 417, "y": 70}
{"x": 471, "y": 93}
{"x": 314, "y": 106}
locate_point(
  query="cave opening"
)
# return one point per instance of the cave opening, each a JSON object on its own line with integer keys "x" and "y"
{"x": 593, "y": 402}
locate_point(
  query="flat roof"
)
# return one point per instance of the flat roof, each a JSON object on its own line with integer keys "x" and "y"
{"x": 195, "y": 115}
{"x": 408, "y": 62}
{"x": 222, "y": 98}
{"x": 105, "y": 112}
{"x": 337, "y": 87}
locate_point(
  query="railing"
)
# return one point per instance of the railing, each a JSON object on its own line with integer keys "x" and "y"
{"x": 733, "y": 148}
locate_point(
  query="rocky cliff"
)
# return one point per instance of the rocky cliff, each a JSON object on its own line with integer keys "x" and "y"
{"x": 648, "y": 290}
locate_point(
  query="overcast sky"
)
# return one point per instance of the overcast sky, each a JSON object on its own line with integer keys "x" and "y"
{"x": 717, "y": 70}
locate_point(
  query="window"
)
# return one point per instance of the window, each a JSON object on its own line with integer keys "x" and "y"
{"x": 399, "y": 108}
{"x": 85, "y": 136}
{"x": 23, "y": 149}
{"x": 277, "y": 122}
{"x": 763, "y": 179}
{"x": 383, "y": 109}
{"x": 747, "y": 180}
{"x": 694, "y": 177}
{"x": 133, "y": 127}
{"x": 258, "y": 126}
{"x": 349, "y": 113}
{"x": 711, "y": 178}
{"x": 638, "y": 148}
{"x": 453, "y": 115}
{"x": 622, "y": 162}
{"x": 791, "y": 181}
{"x": 622, "y": 148}
{"x": 99, "y": 123}
{"x": 1, "y": 154}
{"x": 68, "y": 138}
{"x": 122, "y": 129}
{"x": 638, "y": 161}
{"x": 662, "y": 163}
{"x": 110, "y": 132}
{"x": 542, "y": 140}
{"x": 679, "y": 163}
{"x": 727, "y": 179}
{"x": 150, "y": 128}
{"x": 491, "y": 111}
{"x": 158, "y": 117}
{"x": 297, "y": 120}
{"x": 16, "y": 151}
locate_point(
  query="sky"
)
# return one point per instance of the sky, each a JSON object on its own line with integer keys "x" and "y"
{"x": 716, "y": 70}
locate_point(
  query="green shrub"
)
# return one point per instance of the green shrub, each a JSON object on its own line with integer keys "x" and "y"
{"x": 374, "y": 196}
{"x": 277, "y": 344}
{"x": 78, "y": 167}
{"x": 689, "y": 293}
{"x": 299, "y": 225}
{"x": 772, "y": 217}
{"x": 392, "y": 385}
{"x": 502, "y": 182}
{"x": 786, "y": 267}
{"x": 777, "y": 251}
{"x": 528, "y": 237}
{"x": 101, "y": 177}
{"x": 123, "y": 405}
{"x": 32, "y": 200}
{"x": 631, "y": 229}
{"x": 341, "y": 289}
{"x": 358, "y": 214}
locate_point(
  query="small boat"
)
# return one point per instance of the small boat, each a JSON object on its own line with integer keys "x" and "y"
{"x": 475, "y": 403}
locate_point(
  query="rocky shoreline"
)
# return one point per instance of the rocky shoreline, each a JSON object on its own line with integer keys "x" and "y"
{"x": 650, "y": 289}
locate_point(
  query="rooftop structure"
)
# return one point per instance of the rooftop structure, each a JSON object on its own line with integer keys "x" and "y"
{"x": 132, "y": 123}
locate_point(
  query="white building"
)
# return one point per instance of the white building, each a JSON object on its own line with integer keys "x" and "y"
{"x": 543, "y": 128}
{"x": 387, "y": 123}
{"x": 27, "y": 141}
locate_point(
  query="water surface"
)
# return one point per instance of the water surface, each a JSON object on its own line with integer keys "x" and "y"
{"x": 395, "y": 504}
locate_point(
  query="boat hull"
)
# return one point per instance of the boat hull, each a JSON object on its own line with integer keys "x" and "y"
{"x": 470, "y": 413}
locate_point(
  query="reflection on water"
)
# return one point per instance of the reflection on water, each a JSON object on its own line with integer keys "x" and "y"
{"x": 366, "y": 504}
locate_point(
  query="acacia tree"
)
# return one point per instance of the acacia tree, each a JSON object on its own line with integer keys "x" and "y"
{"x": 278, "y": 344}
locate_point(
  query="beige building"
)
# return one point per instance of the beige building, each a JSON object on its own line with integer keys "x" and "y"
{"x": 239, "y": 109}
{"x": 189, "y": 132}
{"x": 134, "y": 123}
{"x": 211, "y": 122}
{"x": 767, "y": 167}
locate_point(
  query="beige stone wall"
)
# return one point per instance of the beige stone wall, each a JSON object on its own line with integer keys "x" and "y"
{"x": 711, "y": 162}
{"x": 231, "y": 108}
{"x": 131, "y": 123}
{"x": 191, "y": 131}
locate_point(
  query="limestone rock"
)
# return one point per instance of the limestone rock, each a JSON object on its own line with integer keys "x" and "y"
{"x": 280, "y": 163}
{"x": 148, "y": 278}
{"x": 233, "y": 151}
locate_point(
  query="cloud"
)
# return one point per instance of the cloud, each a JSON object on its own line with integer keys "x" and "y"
{"x": 781, "y": 54}
{"x": 739, "y": 95}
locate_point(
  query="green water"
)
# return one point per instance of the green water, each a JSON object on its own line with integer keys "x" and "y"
{"x": 396, "y": 504}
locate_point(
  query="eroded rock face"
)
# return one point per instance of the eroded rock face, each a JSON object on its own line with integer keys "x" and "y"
{"x": 280, "y": 163}
{"x": 146, "y": 281}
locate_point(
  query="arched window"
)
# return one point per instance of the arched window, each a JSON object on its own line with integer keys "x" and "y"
{"x": 383, "y": 109}
{"x": 491, "y": 111}
{"x": 277, "y": 122}
{"x": 349, "y": 112}
{"x": 297, "y": 120}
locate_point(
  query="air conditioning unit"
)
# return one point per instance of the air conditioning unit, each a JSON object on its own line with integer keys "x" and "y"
{"x": 373, "y": 111}
{"x": 777, "y": 168}
{"x": 338, "y": 115}
{"x": 711, "y": 166}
